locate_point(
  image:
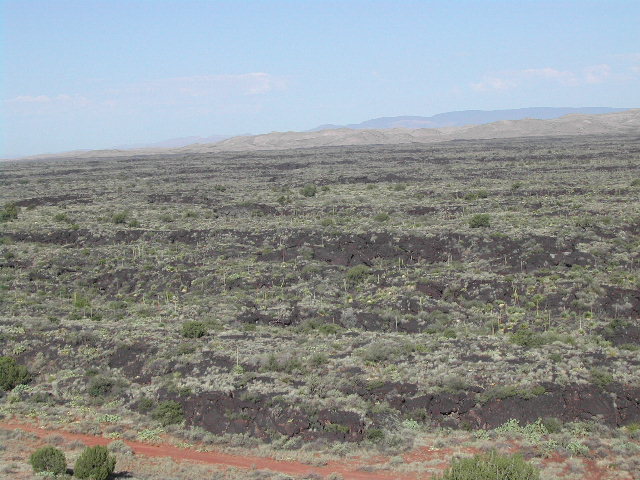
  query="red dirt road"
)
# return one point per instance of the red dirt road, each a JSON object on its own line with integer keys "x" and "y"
{"x": 348, "y": 471}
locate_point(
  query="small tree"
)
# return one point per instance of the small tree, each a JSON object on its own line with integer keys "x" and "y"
{"x": 480, "y": 220}
{"x": 168, "y": 413}
{"x": 194, "y": 329}
{"x": 95, "y": 463}
{"x": 120, "y": 217}
{"x": 492, "y": 466}
{"x": 357, "y": 274}
{"x": 100, "y": 387}
{"x": 12, "y": 374}
{"x": 48, "y": 459}
{"x": 309, "y": 190}
{"x": 9, "y": 212}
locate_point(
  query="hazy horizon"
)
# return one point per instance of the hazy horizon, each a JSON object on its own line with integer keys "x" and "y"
{"x": 91, "y": 74}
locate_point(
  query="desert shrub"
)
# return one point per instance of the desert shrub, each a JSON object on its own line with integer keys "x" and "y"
{"x": 375, "y": 434}
{"x": 600, "y": 377}
{"x": 118, "y": 446}
{"x": 635, "y": 182}
{"x": 12, "y": 374}
{"x": 95, "y": 463}
{"x": 381, "y": 217}
{"x": 476, "y": 195}
{"x": 282, "y": 363}
{"x": 168, "y": 413}
{"x": 357, "y": 273}
{"x": 10, "y": 211}
{"x": 552, "y": 424}
{"x": 314, "y": 325}
{"x": 380, "y": 352}
{"x": 500, "y": 392}
{"x": 119, "y": 218}
{"x": 284, "y": 199}
{"x": 145, "y": 405}
{"x": 491, "y": 466}
{"x": 555, "y": 357}
{"x": 317, "y": 360}
{"x": 480, "y": 220}
{"x": 577, "y": 448}
{"x": 449, "y": 333}
{"x": 586, "y": 222}
{"x": 527, "y": 338}
{"x": 61, "y": 217}
{"x": 100, "y": 387}
{"x": 194, "y": 329}
{"x": 48, "y": 459}
{"x": 309, "y": 190}
{"x": 454, "y": 384}
{"x": 80, "y": 301}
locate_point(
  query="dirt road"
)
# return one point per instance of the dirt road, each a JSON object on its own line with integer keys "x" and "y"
{"x": 348, "y": 471}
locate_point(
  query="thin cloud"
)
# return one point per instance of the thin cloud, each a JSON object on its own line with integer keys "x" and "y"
{"x": 493, "y": 83}
{"x": 223, "y": 90}
{"x": 199, "y": 87}
{"x": 47, "y": 103}
{"x": 29, "y": 99}
{"x": 559, "y": 76}
{"x": 597, "y": 73}
{"x": 630, "y": 57}
{"x": 593, "y": 74}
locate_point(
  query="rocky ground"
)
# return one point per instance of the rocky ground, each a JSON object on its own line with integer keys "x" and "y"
{"x": 328, "y": 297}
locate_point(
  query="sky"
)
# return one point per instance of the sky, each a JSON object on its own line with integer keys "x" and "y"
{"x": 99, "y": 74}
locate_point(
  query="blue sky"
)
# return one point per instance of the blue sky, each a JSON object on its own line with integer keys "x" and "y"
{"x": 89, "y": 74}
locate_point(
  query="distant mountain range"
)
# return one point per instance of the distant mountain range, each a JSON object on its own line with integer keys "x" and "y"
{"x": 469, "y": 117}
{"x": 466, "y": 125}
{"x": 449, "y": 119}
{"x": 176, "y": 142}
{"x": 617, "y": 123}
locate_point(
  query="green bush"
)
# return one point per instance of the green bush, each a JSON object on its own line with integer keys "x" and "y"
{"x": 527, "y": 338}
{"x": 309, "y": 190}
{"x": 168, "y": 413}
{"x": 145, "y": 405}
{"x": 119, "y": 218}
{"x": 100, "y": 387}
{"x": 62, "y": 217}
{"x": 282, "y": 363}
{"x": 381, "y": 217}
{"x": 500, "y": 392}
{"x": 194, "y": 329}
{"x": 357, "y": 273}
{"x": 95, "y": 463}
{"x": 375, "y": 434}
{"x": 552, "y": 424}
{"x": 12, "y": 374}
{"x": 476, "y": 195}
{"x": 48, "y": 459}
{"x": 491, "y": 466}
{"x": 10, "y": 211}
{"x": 600, "y": 377}
{"x": 480, "y": 220}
